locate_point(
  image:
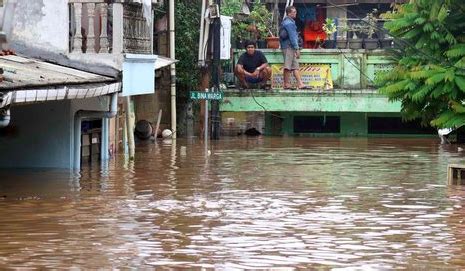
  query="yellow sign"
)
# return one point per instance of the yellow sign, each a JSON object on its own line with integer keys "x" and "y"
{"x": 313, "y": 75}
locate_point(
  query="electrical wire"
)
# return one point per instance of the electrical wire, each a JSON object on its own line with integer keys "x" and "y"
{"x": 264, "y": 109}
{"x": 398, "y": 39}
{"x": 356, "y": 66}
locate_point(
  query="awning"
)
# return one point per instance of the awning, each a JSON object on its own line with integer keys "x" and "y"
{"x": 27, "y": 80}
{"x": 27, "y": 73}
{"x": 54, "y": 94}
{"x": 163, "y": 62}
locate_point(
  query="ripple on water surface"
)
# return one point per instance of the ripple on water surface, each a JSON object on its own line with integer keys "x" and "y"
{"x": 244, "y": 203}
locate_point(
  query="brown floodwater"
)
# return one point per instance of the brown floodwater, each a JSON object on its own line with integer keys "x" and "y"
{"x": 245, "y": 203}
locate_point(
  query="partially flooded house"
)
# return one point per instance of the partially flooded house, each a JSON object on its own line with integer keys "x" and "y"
{"x": 344, "y": 50}
{"x": 75, "y": 63}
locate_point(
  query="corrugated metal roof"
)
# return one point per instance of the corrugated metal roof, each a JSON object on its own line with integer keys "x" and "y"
{"x": 55, "y": 94}
{"x": 26, "y": 73}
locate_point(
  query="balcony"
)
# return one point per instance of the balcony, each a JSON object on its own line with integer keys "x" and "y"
{"x": 352, "y": 74}
{"x": 97, "y": 27}
{"x": 349, "y": 69}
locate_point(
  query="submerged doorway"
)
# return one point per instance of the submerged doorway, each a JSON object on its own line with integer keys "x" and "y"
{"x": 91, "y": 138}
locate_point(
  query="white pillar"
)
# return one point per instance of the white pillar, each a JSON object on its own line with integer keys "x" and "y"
{"x": 130, "y": 127}
{"x": 173, "y": 70}
{"x": 77, "y": 38}
{"x": 118, "y": 20}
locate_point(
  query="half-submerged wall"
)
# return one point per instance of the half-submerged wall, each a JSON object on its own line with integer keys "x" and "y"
{"x": 41, "y": 135}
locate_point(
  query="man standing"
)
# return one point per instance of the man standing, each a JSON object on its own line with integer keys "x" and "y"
{"x": 252, "y": 67}
{"x": 290, "y": 47}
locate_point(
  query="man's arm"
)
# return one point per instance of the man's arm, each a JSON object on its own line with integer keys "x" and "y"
{"x": 240, "y": 68}
{"x": 264, "y": 62}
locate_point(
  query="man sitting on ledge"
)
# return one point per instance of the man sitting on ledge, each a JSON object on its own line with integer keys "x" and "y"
{"x": 252, "y": 68}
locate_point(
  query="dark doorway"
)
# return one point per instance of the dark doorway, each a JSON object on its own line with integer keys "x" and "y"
{"x": 317, "y": 124}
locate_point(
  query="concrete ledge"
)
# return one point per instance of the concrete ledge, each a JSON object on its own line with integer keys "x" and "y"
{"x": 306, "y": 92}
{"x": 308, "y": 101}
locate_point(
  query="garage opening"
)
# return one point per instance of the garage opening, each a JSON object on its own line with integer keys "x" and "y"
{"x": 395, "y": 125}
{"x": 317, "y": 124}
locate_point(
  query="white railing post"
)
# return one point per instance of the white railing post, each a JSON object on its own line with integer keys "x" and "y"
{"x": 90, "y": 48}
{"x": 77, "y": 38}
{"x": 104, "y": 35}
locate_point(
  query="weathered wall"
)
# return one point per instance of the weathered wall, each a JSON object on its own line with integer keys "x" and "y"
{"x": 42, "y": 24}
{"x": 40, "y": 29}
{"x": 41, "y": 135}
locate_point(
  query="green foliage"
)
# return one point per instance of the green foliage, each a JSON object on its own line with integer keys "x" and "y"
{"x": 329, "y": 26}
{"x": 263, "y": 20}
{"x": 187, "y": 21}
{"x": 429, "y": 75}
{"x": 240, "y": 30}
{"x": 230, "y": 7}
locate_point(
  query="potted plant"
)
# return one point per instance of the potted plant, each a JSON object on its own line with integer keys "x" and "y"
{"x": 354, "y": 41}
{"x": 263, "y": 20}
{"x": 369, "y": 28}
{"x": 329, "y": 26}
{"x": 341, "y": 41}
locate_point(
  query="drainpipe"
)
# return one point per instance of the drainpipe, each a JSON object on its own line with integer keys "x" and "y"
{"x": 4, "y": 117}
{"x": 202, "y": 23}
{"x": 88, "y": 114}
{"x": 173, "y": 71}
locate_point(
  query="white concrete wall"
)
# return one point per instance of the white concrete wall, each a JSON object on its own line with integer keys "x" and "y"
{"x": 42, "y": 135}
{"x": 40, "y": 29}
{"x": 42, "y": 24}
{"x": 38, "y": 136}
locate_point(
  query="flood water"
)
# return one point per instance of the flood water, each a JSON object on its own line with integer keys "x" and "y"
{"x": 246, "y": 203}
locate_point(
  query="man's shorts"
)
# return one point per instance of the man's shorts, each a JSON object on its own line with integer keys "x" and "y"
{"x": 290, "y": 61}
{"x": 253, "y": 80}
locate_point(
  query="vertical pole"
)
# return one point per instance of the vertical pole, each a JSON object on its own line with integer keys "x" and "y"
{"x": 77, "y": 142}
{"x": 190, "y": 120}
{"x": 105, "y": 144}
{"x": 216, "y": 73}
{"x": 125, "y": 133}
{"x": 130, "y": 127}
{"x": 205, "y": 122}
{"x": 158, "y": 123}
{"x": 204, "y": 84}
{"x": 201, "y": 36}
{"x": 173, "y": 69}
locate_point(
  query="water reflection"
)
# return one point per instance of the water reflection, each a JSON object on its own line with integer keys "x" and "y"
{"x": 242, "y": 203}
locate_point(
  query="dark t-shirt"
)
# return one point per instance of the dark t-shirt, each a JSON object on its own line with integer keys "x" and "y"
{"x": 251, "y": 62}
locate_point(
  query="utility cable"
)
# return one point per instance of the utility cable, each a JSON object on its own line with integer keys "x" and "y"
{"x": 264, "y": 109}
{"x": 356, "y": 66}
{"x": 398, "y": 39}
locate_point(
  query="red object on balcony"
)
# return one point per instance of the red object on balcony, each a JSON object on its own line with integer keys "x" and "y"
{"x": 313, "y": 33}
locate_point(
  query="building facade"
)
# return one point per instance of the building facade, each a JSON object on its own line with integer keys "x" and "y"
{"x": 341, "y": 70}
{"x": 111, "y": 39}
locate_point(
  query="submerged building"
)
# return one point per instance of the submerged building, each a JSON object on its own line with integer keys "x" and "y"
{"x": 67, "y": 68}
{"x": 341, "y": 70}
